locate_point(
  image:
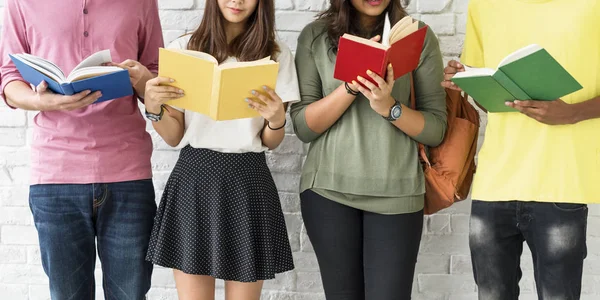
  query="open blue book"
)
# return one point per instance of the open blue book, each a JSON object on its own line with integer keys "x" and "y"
{"x": 113, "y": 82}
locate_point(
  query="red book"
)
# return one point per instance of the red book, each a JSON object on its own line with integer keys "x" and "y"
{"x": 356, "y": 55}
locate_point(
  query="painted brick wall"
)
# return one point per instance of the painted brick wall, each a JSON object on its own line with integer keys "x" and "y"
{"x": 443, "y": 271}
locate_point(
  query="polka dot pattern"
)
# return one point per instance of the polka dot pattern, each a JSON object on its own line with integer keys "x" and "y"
{"x": 220, "y": 216}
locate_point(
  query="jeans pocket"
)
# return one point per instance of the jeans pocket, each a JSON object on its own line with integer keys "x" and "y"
{"x": 569, "y": 207}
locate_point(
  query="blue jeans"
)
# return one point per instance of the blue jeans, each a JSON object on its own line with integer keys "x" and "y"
{"x": 70, "y": 217}
{"x": 555, "y": 233}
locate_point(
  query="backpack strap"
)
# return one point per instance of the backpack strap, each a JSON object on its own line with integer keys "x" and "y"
{"x": 413, "y": 105}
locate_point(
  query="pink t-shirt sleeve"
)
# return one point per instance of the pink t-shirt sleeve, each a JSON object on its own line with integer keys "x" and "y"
{"x": 14, "y": 40}
{"x": 151, "y": 38}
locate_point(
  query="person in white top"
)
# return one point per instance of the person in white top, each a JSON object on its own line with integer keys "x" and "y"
{"x": 242, "y": 135}
{"x": 220, "y": 214}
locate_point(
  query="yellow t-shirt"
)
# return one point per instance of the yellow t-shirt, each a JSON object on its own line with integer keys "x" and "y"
{"x": 522, "y": 159}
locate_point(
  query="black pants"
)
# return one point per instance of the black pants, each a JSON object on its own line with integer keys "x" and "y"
{"x": 555, "y": 233}
{"x": 362, "y": 255}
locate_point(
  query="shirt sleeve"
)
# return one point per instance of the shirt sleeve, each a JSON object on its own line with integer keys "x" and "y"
{"x": 287, "y": 79}
{"x": 150, "y": 38}
{"x": 430, "y": 96}
{"x": 14, "y": 40}
{"x": 310, "y": 86}
{"x": 472, "y": 54}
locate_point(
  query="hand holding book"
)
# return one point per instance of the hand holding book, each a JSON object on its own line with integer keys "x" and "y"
{"x": 450, "y": 70}
{"x": 138, "y": 74}
{"x": 379, "y": 94}
{"x": 46, "y": 100}
{"x": 90, "y": 74}
{"x": 269, "y": 106}
{"x": 158, "y": 92}
{"x": 555, "y": 112}
{"x": 530, "y": 73}
{"x": 549, "y": 112}
{"x": 401, "y": 46}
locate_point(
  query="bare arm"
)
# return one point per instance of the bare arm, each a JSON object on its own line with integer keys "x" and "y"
{"x": 273, "y": 133}
{"x": 412, "y": 122}
{"x": 587, "y": 110}
{"x": 321, "y": 115}
{"x": 273, "y": 110}
{"x": 315, "y": 114}
{"x": 20, "y": 95}
{"x": 558, "y": 112}
{"x": 171, "y": 127}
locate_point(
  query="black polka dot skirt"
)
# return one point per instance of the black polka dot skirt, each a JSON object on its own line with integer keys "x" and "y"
{"x": 220, "y": 216}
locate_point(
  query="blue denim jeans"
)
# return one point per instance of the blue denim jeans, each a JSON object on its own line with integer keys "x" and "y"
{"x": 71, "y": 218}
{"x": 555, "y": 234}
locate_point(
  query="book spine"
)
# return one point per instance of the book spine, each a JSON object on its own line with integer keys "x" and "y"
{"x": 216, "y": 94}
{"x": 510, "y": 86}
{"x": 386, "y": 62}
{"x": 67, "y": 89}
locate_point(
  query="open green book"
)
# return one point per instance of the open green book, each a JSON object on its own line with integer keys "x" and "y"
{"x": 529, "y": 73}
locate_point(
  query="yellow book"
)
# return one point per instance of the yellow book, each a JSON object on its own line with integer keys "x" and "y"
{"x": 217, "y": 91}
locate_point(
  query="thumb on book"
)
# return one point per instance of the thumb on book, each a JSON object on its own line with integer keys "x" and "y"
{"x": 376, "y": 38}
{"x": 40, "y": 88}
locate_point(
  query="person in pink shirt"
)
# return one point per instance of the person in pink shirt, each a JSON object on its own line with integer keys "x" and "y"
{"x": 91, "y": 179}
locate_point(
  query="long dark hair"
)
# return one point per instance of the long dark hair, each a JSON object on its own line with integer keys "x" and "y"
{"x": 341, "y": 17}
{"x": 256, "y": 42}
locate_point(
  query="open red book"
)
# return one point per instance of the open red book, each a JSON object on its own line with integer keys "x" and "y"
{"x": 403, "y": 49}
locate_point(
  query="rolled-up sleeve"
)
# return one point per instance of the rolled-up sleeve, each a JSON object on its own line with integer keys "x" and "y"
{"x": 310, "y": 86}
{"x": 430, "y": 95}
{"x": 13, "y": 41}
{"x": 150, "y": 38}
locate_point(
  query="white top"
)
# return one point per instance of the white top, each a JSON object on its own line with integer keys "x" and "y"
{"x": 242, "y": 135}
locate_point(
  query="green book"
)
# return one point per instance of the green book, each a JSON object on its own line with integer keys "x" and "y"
{"x": 529, "y": 73}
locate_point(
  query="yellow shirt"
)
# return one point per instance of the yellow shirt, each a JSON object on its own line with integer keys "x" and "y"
{"x": 522, "y": 159}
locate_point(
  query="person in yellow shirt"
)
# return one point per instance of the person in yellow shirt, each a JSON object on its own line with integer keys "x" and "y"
{"x": 538, "y": 168}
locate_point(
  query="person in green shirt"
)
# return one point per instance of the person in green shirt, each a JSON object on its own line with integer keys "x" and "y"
{"x": 539, "y": 166}
{"x": 362, "y": 186}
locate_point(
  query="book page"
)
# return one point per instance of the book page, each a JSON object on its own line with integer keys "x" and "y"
{"x": 475, "y": 72}
{"x": 241, "y": 64}
{"x": 90, "y": 72}
{"x": 406, "y": 31}
{"x": 399, "y": 27}
{"x": 94, "y": 60}
{"x": 385, "y": 37}
{"x": 42, "y": 65}
{"x": 365, "y": 41}
{"x": 45, "y": 66}
{"x": 197, "y": 54}
{"x": 523, "y": 52}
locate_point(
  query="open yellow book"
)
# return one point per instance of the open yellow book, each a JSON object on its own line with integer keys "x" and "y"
{"x": 217, "y": 91}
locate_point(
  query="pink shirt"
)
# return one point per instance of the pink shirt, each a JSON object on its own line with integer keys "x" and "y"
{"x": 104, "y": 142}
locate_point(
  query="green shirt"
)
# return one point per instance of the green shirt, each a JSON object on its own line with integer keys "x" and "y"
{"x": 362, "y": 160}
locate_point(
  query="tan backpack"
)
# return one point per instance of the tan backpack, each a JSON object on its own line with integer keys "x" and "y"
{"x": 450, "y": 167}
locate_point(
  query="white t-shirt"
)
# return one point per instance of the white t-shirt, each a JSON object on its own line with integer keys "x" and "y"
{"x": 242, "y": 135}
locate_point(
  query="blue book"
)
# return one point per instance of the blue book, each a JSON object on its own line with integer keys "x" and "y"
{"x": 112, "y": 81}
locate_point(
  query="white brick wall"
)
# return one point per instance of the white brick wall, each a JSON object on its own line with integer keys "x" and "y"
{"x": 443, "y": 270}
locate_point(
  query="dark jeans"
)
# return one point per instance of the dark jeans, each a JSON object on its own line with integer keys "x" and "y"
{"x": 70, "y": 217}
{"x": 555, "y": 233}
{"x": 362, "y": 255}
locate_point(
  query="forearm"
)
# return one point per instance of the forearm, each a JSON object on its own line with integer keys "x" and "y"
{"x": 170, "y": 128}
{"x": 20, "y": 95}
{"x": 272, "y": 138}
{"x": 411, "y": 122}
{"x": 140, "y": 87}
{"x": 322, "y": 114}
{"x": 587, "y": 110}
